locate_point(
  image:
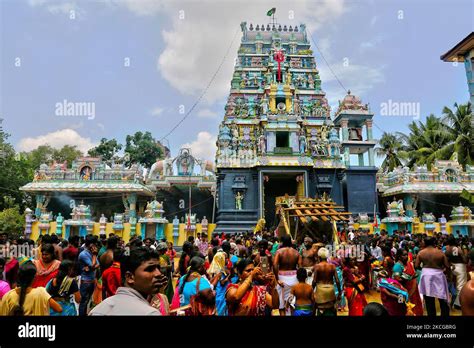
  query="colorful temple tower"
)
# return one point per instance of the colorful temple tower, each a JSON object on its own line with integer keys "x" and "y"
{"x": 360, "y": 177}
{"x": 277, "y": 136}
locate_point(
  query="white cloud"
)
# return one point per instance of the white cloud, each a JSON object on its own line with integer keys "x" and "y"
{"x": 207, "y": 113}
{"x": 372, "y": 43}
{"x": 57, "y": 140}
{"x": 196, "y": 45}
{"x": 157, "y": 111}
{"x": 204, "y": 146}
{"x": 141, "y": 7}
{"x": 62, "y": 7}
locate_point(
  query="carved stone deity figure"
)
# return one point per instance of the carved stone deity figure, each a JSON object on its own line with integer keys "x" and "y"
{"x": 324, "y": 133}
{"x": 59, "y": 224}
{"x": 442, "y": 224}
{"x": 401, "y": 210}
{"x": 239, "y": 197}
{"x": 288, "y": 78}
{"x": 204, "y": 224}
{"x": 310, "y": 81}
{"x": 264, "y": 105}
{"x": 235, "y": 132}
{"x": 262, "y": 144}
{"x": 296, "y": 106}
{"x": 268, "y": 76}
{"x": 302, "y": 143}
{"x": 102, "y": 224}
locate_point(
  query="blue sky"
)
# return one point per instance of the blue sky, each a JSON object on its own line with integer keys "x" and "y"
{"x": 380, "y": 50}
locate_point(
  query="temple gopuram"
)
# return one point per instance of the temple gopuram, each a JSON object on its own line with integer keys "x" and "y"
{"x": 278, "y": 137}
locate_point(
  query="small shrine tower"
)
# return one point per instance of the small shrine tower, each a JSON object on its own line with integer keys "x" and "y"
{"x": 352, "y": 117}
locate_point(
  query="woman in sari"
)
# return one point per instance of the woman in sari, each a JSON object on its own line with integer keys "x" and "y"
{"x": 195, "y": 284}
{"x": 47, "y": 267}
{"x": 404, "y": 272}
{"x": 341, "y": 304}
{"x": 62, "y": 288}
{"x": 165, "y": 268}
{"x": 393, "y": 295}
{"x": 254, "y": 293}
{"x": 220, "y": 276}
{"x": 353, "y": 288}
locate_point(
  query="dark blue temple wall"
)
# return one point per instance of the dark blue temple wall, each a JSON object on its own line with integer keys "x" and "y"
{"x": 360, "y": 190}
{"x": 326, "y": 180}
{"x": 226, "y": 192}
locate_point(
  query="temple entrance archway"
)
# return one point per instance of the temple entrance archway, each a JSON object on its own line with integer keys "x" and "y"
{"x": 276, "y": 183}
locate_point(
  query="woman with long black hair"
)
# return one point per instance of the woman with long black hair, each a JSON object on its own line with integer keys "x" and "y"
{"x": 25, "y": 300}
{"x": 63, "y": 287}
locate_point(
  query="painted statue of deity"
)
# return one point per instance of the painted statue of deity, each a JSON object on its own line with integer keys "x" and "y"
{"x": 296, "y": 106}
{"x": 59, "y": 224}
{"x": 102, "y": 224}
{"x": 204, "y": 225}
{"x": 238, "y": 200}
{"x": 262, "y": 144}
{"x": 185, "y": 163}
{"x": 442, "y": 224}
{"x": 302, "y": 143}
{"x": 310, "y": 81}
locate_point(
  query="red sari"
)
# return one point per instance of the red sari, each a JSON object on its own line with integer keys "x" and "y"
{"x": 45, "y": 273}
{"x": 394, "y": 307}
{"x": 412, "y": 288}
{"x": 355, "y": 299}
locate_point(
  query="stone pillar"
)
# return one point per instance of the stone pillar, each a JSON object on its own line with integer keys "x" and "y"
{"x": 368, "y": 126}
{"x": 294, "y": 142}
{"x": 361, "y": 159}
{"x": 345, "y": 130}
{"x": 347, "y": 157}
{"x": 371, "y": 157}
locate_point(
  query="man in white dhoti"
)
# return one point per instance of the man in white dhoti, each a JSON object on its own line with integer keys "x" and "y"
{"x": 285, "y": 264}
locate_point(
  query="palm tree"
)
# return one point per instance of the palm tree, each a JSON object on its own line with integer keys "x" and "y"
{"x": 391, "y": 146}
{"x": 427, "y": 141}
{"x": 460, "y": 124}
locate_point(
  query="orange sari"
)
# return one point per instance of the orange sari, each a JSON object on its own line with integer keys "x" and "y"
{"x": 252, "y": 304}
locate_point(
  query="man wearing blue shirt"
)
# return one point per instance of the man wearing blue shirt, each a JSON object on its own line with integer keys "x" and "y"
{"x": 88, "y": 263}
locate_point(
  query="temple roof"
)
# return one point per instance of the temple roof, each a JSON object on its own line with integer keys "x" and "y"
{"x": 457, "y": 53}
{"x": 352, "y": 103}
{"x": 86, "y": 186}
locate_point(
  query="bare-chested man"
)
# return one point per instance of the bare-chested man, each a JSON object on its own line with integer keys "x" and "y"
{"x": 285, "y": 264}
{"x": 308, "y": 258}
{"x": 324, "y": 275}
{"x": 433, "y": 283}
{"x": 466, "y": 298}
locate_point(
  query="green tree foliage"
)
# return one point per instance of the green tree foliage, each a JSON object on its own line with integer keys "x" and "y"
{"x": 142, "y": 148}
{"x": 11, "y": 221}
{"x": 437, "y": 138}
{"x": 67, "y": 153}
{"x": 460, "y": 124}
{"x": 427, "y": 142}
{"x": 15, "y": 171}
{"x": 391, "y": 147}
{"x": 107, "y": 149}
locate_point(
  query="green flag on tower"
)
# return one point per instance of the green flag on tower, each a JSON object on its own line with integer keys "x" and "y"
{"x": 271, "y": 12}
